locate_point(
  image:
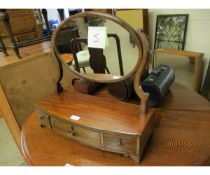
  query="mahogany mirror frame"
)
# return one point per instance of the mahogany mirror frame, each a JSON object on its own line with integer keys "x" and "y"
{"x": 140, "y": 41}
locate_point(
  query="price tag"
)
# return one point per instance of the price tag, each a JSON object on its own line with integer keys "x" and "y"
{"x": 75, "y": 117}
{"x": 97, "y": 37}
{"x": 68, "y": 165}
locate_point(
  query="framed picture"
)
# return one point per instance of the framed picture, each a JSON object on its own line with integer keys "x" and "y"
{"x": 171, "y": 31}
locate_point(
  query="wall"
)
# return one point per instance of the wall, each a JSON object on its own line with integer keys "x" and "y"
{"x": 53, "y": 13}
{"x": 198, "y": 32}
{"x": 131, "y": 17}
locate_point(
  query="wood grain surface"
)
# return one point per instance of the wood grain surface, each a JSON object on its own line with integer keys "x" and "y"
{"x": 43, "y": 147}
{"x": 26, "y": 81}
{"x": 181, "y": 137}
{"x": 95, "y": 112}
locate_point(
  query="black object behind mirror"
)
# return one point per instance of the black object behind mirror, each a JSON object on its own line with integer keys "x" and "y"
{"x": 158, "y": 83}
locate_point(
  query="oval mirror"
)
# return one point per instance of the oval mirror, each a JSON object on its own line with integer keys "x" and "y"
{"x": 97, "y": 46}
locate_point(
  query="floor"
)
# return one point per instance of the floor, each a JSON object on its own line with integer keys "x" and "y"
{"x": 9, "y": 152}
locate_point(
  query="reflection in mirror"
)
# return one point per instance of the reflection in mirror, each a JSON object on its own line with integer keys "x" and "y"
{"x": 117, "y": 59}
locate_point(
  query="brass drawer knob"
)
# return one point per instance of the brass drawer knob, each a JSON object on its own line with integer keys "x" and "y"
{"x": 120, "y": 142}
{"x": 42, "y": 125}
{"x": 72, "y": 133}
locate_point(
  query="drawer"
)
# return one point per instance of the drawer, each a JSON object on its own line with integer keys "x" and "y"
{"x": 81, "y": 134}
{"x": 88, "y": 136}
{"x": 120, "y": 142}
{"x": 60, "y": 125}
{"x": 44, "y": 120}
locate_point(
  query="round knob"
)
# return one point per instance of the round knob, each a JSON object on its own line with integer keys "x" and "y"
{"x": 42, "y": 125}
{"x": 120, "y": 142}
{"x": 72, "y": 133}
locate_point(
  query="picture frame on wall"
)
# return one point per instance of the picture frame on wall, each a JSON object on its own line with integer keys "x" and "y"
{"x": 171, "y": 31}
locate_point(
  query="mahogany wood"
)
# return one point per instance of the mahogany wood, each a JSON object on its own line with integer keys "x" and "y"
{"x": 122, "y": 90}
{"x": 141, "y": 42}
{"x": 100, "y": 16}
{"x": 115, "y": 126}
{"x": 95, "y": 114}
{"x": 181, "y": 137}
{"x": 85, "y": 86}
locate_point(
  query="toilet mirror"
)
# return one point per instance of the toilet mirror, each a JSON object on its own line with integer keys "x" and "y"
{"x": 99, "y": 47}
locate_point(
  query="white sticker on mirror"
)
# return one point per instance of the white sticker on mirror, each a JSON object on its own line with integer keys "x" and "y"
{"x": 97, "y": 37}
{"x": 75, "y": 117}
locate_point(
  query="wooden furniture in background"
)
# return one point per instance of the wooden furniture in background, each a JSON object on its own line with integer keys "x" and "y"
{"x": 23, "y": 24}
{"x": 23, "y": 82}
{"x": 2, "y": 47}
{"x": 4, "y": 18}
{"x": 197, "y": 58}
{"x": 137, "y": 18}
{"x": 180, "y": 137}
{"x": 15, "y": 43}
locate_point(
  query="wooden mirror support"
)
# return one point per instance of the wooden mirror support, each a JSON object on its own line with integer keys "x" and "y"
{"x": 101, "y": 122}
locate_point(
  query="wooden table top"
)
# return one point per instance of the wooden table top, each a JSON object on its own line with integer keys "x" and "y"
{"x": 181, "y": 137}
{"x": 27, "y": 53}
{"x": 197, "y": 55}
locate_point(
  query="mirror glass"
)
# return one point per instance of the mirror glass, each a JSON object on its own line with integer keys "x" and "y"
{"x": 97, "y": 48}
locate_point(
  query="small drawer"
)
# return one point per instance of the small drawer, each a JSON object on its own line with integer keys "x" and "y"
{"x": 81, "y": 134}
{"x": 87, "y": 136}
{"x": 120, "y": 142}
{"x": 44, "y": 119}
{"x": 58, "y": 124}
